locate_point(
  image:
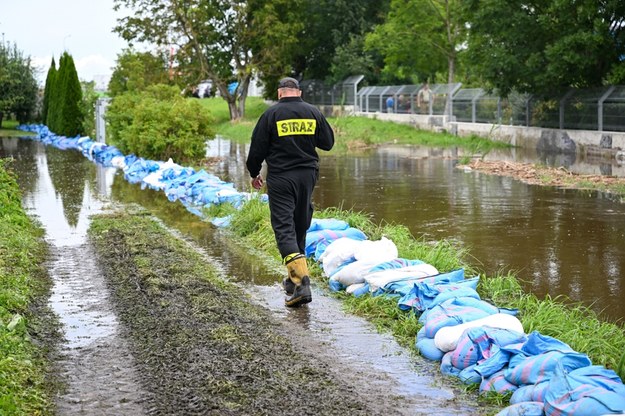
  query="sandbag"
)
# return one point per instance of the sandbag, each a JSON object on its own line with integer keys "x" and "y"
{"x": 588, "y": 391}
{"x": 380, "y": 279}
{"x": 537, "y": 368}
{"x": 338, "y": 252}
{"x": 446, "y": 339}
{"x": 453, "y": 312}
{"x": 523, "y": 409}
{"x": 497, "y": 383}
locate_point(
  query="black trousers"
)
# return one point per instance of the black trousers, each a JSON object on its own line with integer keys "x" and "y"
{"x": 290, "y": 204}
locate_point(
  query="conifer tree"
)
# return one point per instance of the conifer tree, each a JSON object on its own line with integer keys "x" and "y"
{"x": 56, "y": 90}
{"x": 50, "y": 78}
{"x": 71, "y": 120}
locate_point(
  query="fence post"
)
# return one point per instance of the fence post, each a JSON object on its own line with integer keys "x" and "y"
{"x": 600, "y": 107}
{"x": 100, "y": 123}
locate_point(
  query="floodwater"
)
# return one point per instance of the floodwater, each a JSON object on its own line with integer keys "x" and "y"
{"x": 62, "y": 190}
{"x": 558, "y": 242}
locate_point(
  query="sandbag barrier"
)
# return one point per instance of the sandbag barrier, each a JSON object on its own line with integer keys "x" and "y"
{"x": 475, "y": 341}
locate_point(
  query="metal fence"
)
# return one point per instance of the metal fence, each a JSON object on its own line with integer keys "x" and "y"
{"x": 601, "y": 108}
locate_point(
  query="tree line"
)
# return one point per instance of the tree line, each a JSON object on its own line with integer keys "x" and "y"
{"x": 537, "y": 46}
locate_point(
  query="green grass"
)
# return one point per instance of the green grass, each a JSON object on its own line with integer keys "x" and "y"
{"x": 350, "y": 131}
{"x": 22, "y": 251}
{"x": 9, "y": 129}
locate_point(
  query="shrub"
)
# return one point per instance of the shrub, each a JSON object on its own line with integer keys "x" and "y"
{"x": 159, "y": 124}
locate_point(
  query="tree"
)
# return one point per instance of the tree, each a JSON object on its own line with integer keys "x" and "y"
{"x": 18, "y": 86}
{"x": 420, "y": 37}
{"x": 135, "y": 71}
{"x": 545, "y": 46}
{"x": 65, "y": 115}
{"x": 213, "y": 39}
{"x": 50, "y": 77}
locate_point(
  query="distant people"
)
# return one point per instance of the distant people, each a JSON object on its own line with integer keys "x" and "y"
{"x": 402, "y": 105}
{"x": 425, "y": 98}
{"x": 390, "y": 104}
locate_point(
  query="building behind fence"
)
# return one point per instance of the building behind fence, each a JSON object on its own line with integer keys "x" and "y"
{"x": 599, "y": 109}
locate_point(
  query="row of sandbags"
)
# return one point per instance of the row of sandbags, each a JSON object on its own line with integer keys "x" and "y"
{"x": 194, "y": 189}
{"x": 472, "y": 339}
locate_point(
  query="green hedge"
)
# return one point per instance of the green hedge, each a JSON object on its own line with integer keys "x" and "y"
{"x": 159, "y": 124}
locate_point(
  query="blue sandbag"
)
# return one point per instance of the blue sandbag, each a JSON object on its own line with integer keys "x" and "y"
{"x": 453, "y": 312}
{"x": 537, "y": 368}
{"x": 327, "y": 224}
{"x": 497, "y": 383}
{"x": 580, "y": 393}
{"x": 530, "y": 393}
{"x": 427, "y": 347}
{"x": 523, "y": 409}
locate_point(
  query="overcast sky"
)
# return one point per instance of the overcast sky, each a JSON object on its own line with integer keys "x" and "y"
{"x": 43, "y": 28}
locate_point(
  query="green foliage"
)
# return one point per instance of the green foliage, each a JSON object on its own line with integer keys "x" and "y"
{"x": 159, "y": 124}
{"x": 419, "y": 38}
{"x": 22, "y": 389}
{"x": 135, "y": 71}
{"x": 547, "y": 47}
{"x": 71, "y": 117}
{"x": 50, "y": 78}
{"x": 18, "y": 86}
{"x": 65, "y": 112}
{"x": 87, "y": 107}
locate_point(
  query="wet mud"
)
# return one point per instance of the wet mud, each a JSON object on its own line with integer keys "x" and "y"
{"x": 202, "y": 345}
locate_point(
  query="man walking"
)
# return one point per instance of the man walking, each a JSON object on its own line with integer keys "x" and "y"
{"x": 286, "y": 137}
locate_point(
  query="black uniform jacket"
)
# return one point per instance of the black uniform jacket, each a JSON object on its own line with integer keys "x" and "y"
{"x": 286, "y": 136}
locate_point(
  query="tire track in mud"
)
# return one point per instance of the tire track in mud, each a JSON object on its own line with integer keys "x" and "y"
{"x": 94, "y": 362}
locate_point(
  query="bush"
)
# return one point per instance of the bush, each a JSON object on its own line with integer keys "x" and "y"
{"x": 159, "y": 124}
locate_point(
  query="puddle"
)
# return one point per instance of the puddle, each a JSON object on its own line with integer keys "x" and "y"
{"x": 95, "y": 360}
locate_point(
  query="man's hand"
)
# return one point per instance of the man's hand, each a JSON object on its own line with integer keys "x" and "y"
{"x": 257, "y": 182}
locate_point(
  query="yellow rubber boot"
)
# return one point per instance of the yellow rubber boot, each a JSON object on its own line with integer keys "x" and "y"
{"x": 298, "y": 275}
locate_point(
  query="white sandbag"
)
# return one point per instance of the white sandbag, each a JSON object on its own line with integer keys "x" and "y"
{"x": 380, "y": 279}
{"x": 353, "y": 288}
{"x": 337, "y": 253}
{"x": 377, "y": 251}
{"x": 446, "y": 338}
{"x": 353, "y": 273}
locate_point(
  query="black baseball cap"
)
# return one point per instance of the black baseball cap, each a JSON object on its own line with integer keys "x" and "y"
{"x": 288, "y": 82}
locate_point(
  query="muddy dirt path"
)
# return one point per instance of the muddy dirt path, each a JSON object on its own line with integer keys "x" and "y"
{"x": 203, "y": 346}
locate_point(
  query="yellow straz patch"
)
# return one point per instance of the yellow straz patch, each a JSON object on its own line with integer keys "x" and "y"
{"x": 296, "y": 126}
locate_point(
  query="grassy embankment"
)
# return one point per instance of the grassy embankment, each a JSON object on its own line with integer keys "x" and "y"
{"x": 350, "y": 132}
{"x": 579, "y": 326}
{"x": 9, "y": 129}
{"x": 22, "y": 285}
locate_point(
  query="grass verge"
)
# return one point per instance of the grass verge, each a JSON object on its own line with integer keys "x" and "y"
{"x": 9, "y": 130}
{"x": 23, "y": 284}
